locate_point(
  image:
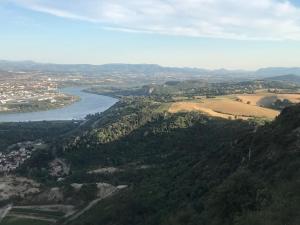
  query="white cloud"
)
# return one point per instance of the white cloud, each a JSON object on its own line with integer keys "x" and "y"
{"x": 232, "y": 19}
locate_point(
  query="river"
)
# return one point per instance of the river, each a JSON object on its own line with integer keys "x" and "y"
{"x": 88, "y": 104}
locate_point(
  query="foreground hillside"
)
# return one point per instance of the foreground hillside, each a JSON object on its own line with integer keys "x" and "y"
{"x": 199, "y": 170}
{"x": 138, "y": 164}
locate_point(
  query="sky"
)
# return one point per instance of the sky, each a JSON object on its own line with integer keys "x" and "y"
{"x": 232, "y": 34}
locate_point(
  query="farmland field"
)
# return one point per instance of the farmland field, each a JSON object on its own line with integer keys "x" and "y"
{"x": 261, "y": 97}
{"x": 225, "y": 107}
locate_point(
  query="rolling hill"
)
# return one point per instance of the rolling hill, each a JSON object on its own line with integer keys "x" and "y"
{"x": 145, "y": 69}
{"x": 201, "y": 171}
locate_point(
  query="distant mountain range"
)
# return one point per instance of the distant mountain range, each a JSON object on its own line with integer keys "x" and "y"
{"x": 114, "y": 67}
{"x": 145, "y": 69}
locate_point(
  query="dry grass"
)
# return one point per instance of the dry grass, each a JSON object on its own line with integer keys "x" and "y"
{"x": 232, "y": 107}
{"x": 225, "y": 108}
{"x": 243, "y": 106}
{"x": 193, "y": 106}
{"x": 252, "y": 99}
{"x": 295, "y": 98}
{"x": 255, "y": 99}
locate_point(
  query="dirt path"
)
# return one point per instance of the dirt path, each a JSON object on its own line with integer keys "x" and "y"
{"x": 88, "y": 207}
{"x": 67, "y": 209}
{"x": 4, "y": 211}
{"x": 32, "y": 217}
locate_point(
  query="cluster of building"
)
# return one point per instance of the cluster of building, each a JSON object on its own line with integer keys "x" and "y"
{"x": 11, "y": 160}
{"x": 23, "y": 91}
{"x": 31, "y": 91}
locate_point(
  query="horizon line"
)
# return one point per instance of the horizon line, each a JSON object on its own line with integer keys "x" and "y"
{"x": 156, "y": 64}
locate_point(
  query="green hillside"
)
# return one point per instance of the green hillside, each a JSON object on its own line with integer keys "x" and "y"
{"x": 197, "y": 170}
{"x": 183, "y": 168}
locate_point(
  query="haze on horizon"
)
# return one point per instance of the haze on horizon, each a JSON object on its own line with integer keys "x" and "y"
{"x": 194, "y": 33}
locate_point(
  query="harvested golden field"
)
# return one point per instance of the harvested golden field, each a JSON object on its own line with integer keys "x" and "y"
{"x": 193, "y": 106}
{"x": 225, "y": 108}
{"x": 259, "y": 98}
{"x": 252, "y": 99}
{"x": 295, "y": 98}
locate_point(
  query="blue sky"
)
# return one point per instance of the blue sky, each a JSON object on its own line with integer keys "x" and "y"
{"x": 234, "y": 34}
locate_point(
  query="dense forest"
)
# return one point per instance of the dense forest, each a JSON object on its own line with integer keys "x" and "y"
{"x": 11, "y": 133}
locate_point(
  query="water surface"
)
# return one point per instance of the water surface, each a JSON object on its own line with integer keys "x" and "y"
{"x": 89, "y": 104}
